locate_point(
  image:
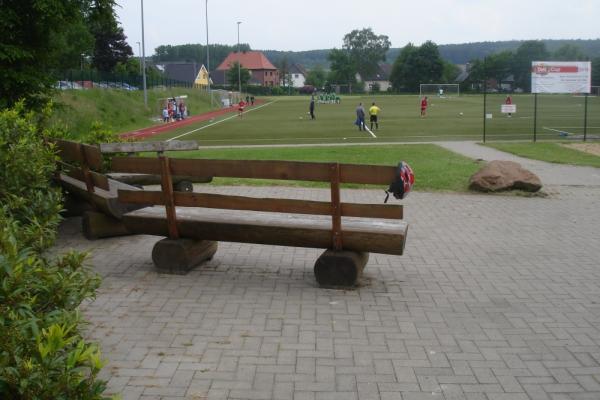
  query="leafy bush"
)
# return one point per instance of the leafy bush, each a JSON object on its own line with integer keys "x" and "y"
{"x": 42, "y": 352}
{"x": 25, "y": 178}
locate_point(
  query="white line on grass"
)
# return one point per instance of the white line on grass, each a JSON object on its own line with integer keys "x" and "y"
{"x": 218, "y": 122}
{"x": 578, "y": 127}
{"x": 559, "y": 131}
{"x": 368, "y": 130}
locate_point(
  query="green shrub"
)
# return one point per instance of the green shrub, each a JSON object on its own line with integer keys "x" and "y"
{"x": 42, "y": 353}
{"x": 25, "y": 178}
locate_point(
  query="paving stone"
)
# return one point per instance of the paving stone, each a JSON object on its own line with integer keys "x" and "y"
{"x": 496, "y": 298}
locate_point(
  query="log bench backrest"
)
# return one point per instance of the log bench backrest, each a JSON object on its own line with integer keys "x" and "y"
{"x": 334, "y": 173}
{"x": 139, "y": 147}
{"x": 81, "y": 161}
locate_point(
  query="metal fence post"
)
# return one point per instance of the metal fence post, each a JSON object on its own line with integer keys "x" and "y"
{"x": 585, "y": 112}
{"x": 484, "y": 107}
{"x": 535, "y": 117}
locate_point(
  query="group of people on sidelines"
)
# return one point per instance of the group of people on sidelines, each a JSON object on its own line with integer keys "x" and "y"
{"x": 174, "y": 111}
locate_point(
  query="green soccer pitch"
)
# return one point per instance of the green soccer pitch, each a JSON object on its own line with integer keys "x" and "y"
{"x": 285, "y": 120}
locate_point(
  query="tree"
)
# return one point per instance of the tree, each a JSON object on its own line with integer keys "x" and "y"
{"x": 284, "y": 71}
{"x": 400, "y": 69}
{"x": 316, "y": 77}
{"x": 569, "y": 52}
{"x": 528, "y": 51}
{"x": 416, "y": 65}
{"x": 233, "y": 74}
{"x": 342, "y": 67}
{"x": 366, "y": 50}
{"x": 110, "y": 42}
{"x": 449, "y": 72}
{"x": 37, "y": 36}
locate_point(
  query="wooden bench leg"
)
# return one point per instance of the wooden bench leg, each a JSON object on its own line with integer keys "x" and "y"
{"x": 96, "y": 225}
{"x": 178, "y": 256}
{"x": 74, "y": 207}
{"x": 340, "y": 268}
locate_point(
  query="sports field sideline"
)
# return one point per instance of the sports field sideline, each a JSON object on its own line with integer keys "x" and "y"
{"x": 285, "y": 120}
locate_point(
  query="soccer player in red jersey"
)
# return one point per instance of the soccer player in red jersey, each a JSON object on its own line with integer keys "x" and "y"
{"x": 508, "y": 101}
{"x": 424, "y": 107}
{"x": 241, "y": 106}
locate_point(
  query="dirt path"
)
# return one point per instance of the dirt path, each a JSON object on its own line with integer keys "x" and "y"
{"x": 592, "y": 148}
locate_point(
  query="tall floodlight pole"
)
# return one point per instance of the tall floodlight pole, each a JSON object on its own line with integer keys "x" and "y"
{"x": 144, "y": 60}
{"x": 239, "y": 62}
{"x": 208, "y": 57}
{"x": 140, "y": 54}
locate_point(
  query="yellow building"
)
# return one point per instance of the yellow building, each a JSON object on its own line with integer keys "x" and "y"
{"x": 202, "y": 78}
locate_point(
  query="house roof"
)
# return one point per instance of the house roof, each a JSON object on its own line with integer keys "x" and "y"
{"x": 297, "y": 69}
{"x": 251, "y": 60}
{"x": 184, "y": 72}
{"x": 382, "y": 73}
{"x": 463, "y": 73}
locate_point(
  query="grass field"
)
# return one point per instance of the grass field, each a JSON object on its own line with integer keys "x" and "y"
{"x": 435, "y": 168}
{"x": 284, "y": 120}
{"x": 551, "y": 152}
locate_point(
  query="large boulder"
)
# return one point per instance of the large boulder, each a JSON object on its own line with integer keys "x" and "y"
{"x": 497, "y": 176}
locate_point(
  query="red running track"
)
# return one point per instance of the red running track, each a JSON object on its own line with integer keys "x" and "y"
{"x": 166, "y": 127}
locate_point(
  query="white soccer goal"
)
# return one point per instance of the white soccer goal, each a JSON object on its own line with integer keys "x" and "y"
{"x": 439, "y": 89}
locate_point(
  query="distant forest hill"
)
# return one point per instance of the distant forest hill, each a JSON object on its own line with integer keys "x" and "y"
{"x": 455, "y": 53}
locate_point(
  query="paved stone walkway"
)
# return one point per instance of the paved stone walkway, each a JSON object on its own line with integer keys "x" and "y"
{"x": 549, "y": 173}
{"x": 496, "y": 298}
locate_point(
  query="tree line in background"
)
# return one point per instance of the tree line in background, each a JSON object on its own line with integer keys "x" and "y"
{"x": 196, "y": 53}
{"x": 499, "y": 66}
{"x": 454, "y": 53}
{"x": 364, "y": 50}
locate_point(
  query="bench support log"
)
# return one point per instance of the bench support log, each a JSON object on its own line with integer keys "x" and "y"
{"x": 178, "y": 256}
{"x": 340, "y": 268}
{"x": 96, "y": 225}
{"x": 74, "y": 207}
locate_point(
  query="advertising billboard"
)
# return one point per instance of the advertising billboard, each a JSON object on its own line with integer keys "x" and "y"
{"x": 561, "y": 76}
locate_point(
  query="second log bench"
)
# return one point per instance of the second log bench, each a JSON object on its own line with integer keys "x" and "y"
{"x": 194, "y": 222}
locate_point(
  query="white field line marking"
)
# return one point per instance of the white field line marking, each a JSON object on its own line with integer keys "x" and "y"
{"x": 348, "y": 137}
{"x": 368, "y": 130}
{"x": 559, "y": 131}
{"x": 219, "y": 121}
{"x": 577, "y": 127}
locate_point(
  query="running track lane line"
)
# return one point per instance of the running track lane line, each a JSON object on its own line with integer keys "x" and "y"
{"x": 218, "y": 122}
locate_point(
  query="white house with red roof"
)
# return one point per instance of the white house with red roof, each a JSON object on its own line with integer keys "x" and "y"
{"x": 262, "y": 71}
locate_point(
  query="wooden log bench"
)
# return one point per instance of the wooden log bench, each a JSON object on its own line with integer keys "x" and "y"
{"x": 193, "y": 222}
{"x": 180, "y": 183}
{"x": 91, "y": 194}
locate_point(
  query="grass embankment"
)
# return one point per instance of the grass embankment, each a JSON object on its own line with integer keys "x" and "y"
{"x": 550, "y": 152}
{"x": 435, "y": 168}
{"x": 118, "y": 110}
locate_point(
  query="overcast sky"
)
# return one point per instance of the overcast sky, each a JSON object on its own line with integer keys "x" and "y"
{"x": 320, "y": 24}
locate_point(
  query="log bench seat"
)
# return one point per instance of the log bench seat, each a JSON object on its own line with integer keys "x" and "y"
{"x": 193, "y": 223}
{"x": 359, "y": 234}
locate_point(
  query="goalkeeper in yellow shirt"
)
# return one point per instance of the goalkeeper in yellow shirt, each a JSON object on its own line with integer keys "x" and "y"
{"x": 373, "y": 112}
